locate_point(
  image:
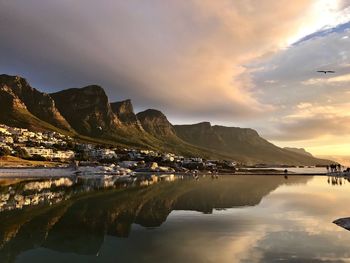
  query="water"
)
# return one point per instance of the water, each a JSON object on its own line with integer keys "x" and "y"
{"x": 232, "y": 219}
{"x": 298, "y": 170}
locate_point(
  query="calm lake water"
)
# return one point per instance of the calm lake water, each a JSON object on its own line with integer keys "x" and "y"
{"x": 231, "y": 219}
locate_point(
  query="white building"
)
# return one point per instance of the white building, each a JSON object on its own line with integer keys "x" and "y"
{"x": 168, "y": 157}
{"x": 22, "y": 139}
{"x": 63, "y": 155}
{"x": 103, "y": 154}
{"x": 5, "y": 146}
{"x": 128, "y": 164}
{"x": 44, "y": 152}
{"x": 49, "y": 153}
{"x": 6, "y": 139}
{"x": 134, "y": 155}
{"x": 4, "y": 130}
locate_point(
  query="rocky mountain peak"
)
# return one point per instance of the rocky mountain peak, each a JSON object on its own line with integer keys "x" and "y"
{"x": 156, "y": 123}
{"x": 87, "y": 109}
{"x": 125, "y": 113}
{"x": 38, "y": 103}
{"x": 152, "y": 114}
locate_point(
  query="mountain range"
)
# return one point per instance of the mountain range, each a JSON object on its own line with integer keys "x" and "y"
{"x": 86, "y": 114}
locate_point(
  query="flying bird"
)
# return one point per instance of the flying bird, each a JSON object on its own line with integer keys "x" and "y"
{"x": 325, "y": 71}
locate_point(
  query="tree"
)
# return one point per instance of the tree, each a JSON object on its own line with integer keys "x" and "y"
{"x": 37, "y": 157}
{"x": 4, "y": 152}
{"x": 21, "y": 153}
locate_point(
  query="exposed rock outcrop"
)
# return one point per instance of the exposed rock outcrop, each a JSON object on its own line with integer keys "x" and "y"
{"x": 26, "y": 98}
{"x": 125, "y": 113}
{"x": 87, "y": 110}
{"x": 156, "y": 123}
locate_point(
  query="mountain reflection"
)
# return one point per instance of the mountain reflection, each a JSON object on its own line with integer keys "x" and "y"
{"x": 72, "y": 218}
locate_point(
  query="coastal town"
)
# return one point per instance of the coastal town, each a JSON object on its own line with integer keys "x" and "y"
{"x": 84, "y": 167}
{"x": 64, "y": 151}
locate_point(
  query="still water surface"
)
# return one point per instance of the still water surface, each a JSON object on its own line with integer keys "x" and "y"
{"x": 232, "y": 219}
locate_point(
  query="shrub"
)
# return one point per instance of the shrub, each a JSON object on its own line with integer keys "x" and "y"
{"x": 36, "y": 157}
{"x": 4, "y": 152}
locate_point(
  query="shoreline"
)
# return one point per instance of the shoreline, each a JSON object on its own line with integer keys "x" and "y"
{"x": 11, "y": 162}
{"x": 48, "y": 173}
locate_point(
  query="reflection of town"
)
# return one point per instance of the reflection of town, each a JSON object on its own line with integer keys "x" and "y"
{"x": 337, "y": 180}
{"x": 50, "y": 191}
{"x": 74, "y": 218}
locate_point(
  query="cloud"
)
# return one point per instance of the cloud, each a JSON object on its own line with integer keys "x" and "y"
{"x": 315, "y": 81}
{"x": 312, "y": 107}
{"x": 184, "y": 57}
{"x": 311, "y": 121}
{"x": 229, "y": 62}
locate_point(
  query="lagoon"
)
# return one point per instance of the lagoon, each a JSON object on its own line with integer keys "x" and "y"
{"x": 231, "y": 219}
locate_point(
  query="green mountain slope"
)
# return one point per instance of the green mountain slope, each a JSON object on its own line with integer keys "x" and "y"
{"x": 241, "y": 144}
{"x": 156, "y": 123}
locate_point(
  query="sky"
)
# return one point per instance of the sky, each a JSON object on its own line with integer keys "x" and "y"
{"x": 245, "y": 63}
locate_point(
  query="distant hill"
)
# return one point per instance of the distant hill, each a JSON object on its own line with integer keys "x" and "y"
{"x": 298, "y": 150}
{"x": 87, "y": 114}
{"x": 342, "y": 159}
{"x": 242, "y": 144}
{"x": 156, "y": 123}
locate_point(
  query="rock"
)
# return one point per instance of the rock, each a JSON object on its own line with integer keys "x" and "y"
{"x": 87, "y": 110}
{"x": 23, "y": 106}
{"x": 153, "y": 166}
{"x": 343, "y": 222}
{"x": 156, "y": 123}
{"x": 125, "y": 112}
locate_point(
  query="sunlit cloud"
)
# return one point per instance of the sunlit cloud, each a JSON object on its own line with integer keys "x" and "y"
{"x": 310, "y": 121}
{"x": 315, "y": 81}
{"x": 228, "y": 62}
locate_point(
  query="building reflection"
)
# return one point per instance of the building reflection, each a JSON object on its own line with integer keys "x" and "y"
{"x": 337, "y": 180}
{"x": 71, "y": 216}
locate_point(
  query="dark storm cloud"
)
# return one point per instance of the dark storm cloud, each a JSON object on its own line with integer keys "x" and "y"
{"x": 182, "y": 56}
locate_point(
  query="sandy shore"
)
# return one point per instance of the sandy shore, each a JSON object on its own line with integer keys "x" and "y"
{"x": 15, "y": 162}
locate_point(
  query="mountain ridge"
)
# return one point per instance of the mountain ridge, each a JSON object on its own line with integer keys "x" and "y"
{"x": 30, "y": 101}
{"x": 298, "y": 150}
{"x": 87, "y": 113}
{"x": 243, "y": 144}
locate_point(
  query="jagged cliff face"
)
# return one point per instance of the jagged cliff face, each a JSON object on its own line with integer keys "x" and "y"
{"x": 9, "y": 100}
{"x": 200, "y": 134}
{"x": 125, "y": 113}
{"x": 20, "y": 98}
{"x": 10, "y": 107}
{"x": 156, "y": 123}
{"x": 87, "y": 110}
{"x": 219, "y": 137}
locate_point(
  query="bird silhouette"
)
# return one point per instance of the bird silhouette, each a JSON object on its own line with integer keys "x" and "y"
{"x": 325, "y": 71}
